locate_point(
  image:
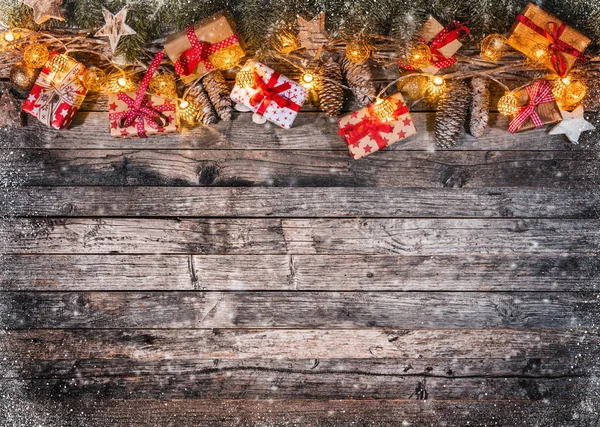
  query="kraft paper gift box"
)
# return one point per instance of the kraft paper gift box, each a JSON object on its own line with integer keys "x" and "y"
{"x": 366, "y": 133}
{"x": 57, "y": 93}
{"x": 216, "y": 46}
{"x": 430, "y": 30}
{"x": 544, "y": 108}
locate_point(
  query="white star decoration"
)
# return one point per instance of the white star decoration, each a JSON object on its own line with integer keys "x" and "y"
{"x": 45, "y": 9}
{"x": 115, "y": 27}
{"x": 572, "y": 125}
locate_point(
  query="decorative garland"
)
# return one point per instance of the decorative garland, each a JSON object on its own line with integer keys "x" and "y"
{"x": 190, "y": 89}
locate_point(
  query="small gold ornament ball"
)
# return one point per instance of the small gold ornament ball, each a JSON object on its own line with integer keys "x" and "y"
{"x": 358, "y": 51}
{"x": 493, "y": 47}
{"x": 245, "y": 78}
{"x": 36, "y": 55}
{"x": 120, "y": 83}
{"x": 383, "y": 109}
{"x": 163, "y": 84}
{"x": 414, "y": 87}
{"x": 507, "y": 105}
{"x": 574, "y": 93}
{"x": 59, "y": 64}
{"x": 417, "y": 55}
{"x": 436, "y": 87}
{"x": 538, "y": 56}
{"x": 187, "y": 111}
{"x": 94, "y": 79}
{"x": 285, "y": 41}
{"x": 227, "y": 58}
{"x": 23, "y": 77}
{"x": 309, "y": 79}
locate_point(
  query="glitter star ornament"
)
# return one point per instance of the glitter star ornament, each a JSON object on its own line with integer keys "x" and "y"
{"x": 311, "y": 34}
{"x": 44, "y": 10}
{"x": 572, "y": 125}
{"x": 115, "y": 27}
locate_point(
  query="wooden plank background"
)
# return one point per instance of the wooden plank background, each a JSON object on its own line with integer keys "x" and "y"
{"x": 247, "y": 275}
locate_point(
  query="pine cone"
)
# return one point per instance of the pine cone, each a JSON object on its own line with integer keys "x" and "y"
{"x": 206, "y": 113}
{"x": 591, "y": 101}
{"x": 218, "y": 92}
{"x": 360, "y": 80}
{"x": 480, "y": 104}
{"x": 452, "y": 113}
{"x": 331, "y": 93}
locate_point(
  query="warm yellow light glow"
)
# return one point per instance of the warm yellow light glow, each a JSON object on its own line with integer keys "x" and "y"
{"x": 566, "y": 81}
{"x": 184, "y": 104}
{"x": 438, "y": 81}
{"x": 122, "y": 81}
{"x": 308, "y": 78}
{"x": 9, "y": 37}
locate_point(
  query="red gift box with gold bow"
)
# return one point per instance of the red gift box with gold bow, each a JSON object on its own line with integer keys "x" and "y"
{"x": 58, "y": 92}
{"x": 536, "y": 32}
{"x": 367, "y": 130}
{"x": 204, "y": 46}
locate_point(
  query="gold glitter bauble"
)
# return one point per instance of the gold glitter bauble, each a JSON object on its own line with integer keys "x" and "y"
{"x": 187, "y": 111}
{"x": 568, "y": 93}
{"x": 22, "y": 77}
{"x": 383, "y": 109}
{"x": 36, "y": 55}
{"x": 538, "y": 56}
{"x": 94, "y": 79}
{"x": 245, "y": 78}
{"x": 436, "y": 87}
{"x": 228, "y": 57}
{"x": 508, "y": 105}
{"x": 493, "y": 47}
{"x": 284, "y": 41}
{"x": 417, "y": 55}
{"x": 358, "y": 51}
{"x": 120, "y": 83}
{"x": 310, "y": 79}
{"x": 59, "y": 64}
{"x": 163, "y": 84}
{"x": 414, "y": 87}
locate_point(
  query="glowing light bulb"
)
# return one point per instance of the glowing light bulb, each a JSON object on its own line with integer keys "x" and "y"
{"x": 438, "y": 81}
{"x": 184, "y": 104}
{"x": 9, "y": 37}
{"x": 308, "y": 78}
{"x": 122, "y": 81}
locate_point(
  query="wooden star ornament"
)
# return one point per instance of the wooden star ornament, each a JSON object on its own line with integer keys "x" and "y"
{"x": 115, "y": 27}
{"x": 45, "y": 9}
{"x": 572, "y": 125}
{"x": 312, "y": 34}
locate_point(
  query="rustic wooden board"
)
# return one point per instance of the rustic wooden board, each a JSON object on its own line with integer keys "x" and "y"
{"x": 300, "y": 236}
{"x": 299, "y": 272}
{"x": 325, "y": 310}
{"x": 254, "y": 202}
{"x": 470, "y": 169}
{"x": 311, "y": 131}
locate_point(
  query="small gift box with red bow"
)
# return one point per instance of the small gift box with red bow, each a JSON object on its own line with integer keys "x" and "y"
{"x": 537, "y": 107}
{"x": 207, "y": 45}
{"x": 269, "y": 94}
{"x": 137, "y": 114}
{"x": 376, "y": 126}
{"x": 545, "y": 38}
{"x": 443, "y": 43}
{"x": 58, "y": 92}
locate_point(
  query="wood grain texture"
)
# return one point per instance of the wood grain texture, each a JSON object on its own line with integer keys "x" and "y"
{"x": 252, "y": 202}
{"x": 311, "y": 131}
{"x": 299, "y": 272}
{"x": 292, "y": 168}
{"x": 296, "y": 310}
{"x": 300, "y": 236}
{"x": 324, "y": 413}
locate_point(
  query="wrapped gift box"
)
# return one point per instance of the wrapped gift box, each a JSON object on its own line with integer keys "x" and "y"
{"x": 58, "y": 92}
{"x": 432, "y": 29}
{"x": 273, "y": 96}
{"x": 535, "y": 27}
{"x": 164, "y": 120}
{"x": 209, "y": 44}
{"x": 365, "y": 132}
{"x": 547, "y": 111}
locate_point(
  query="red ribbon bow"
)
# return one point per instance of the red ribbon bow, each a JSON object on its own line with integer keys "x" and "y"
{"x": 199, "y": 52}
{"x": 540, "y": 92}
{"x": 268, "y": 92}
{"x": 372, "y": 126}
{"x": 553, "y": 32}
{"x": 139, "y": 111}
{"x": 451, "y": 32}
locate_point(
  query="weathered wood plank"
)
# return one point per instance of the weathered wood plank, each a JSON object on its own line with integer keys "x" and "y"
{"x": 299, "y": 236}
{"x": 468, "y": 169}
{"x": 326, "y": 413}
{"x": 299, "y": 272}
{"x": 304, "y": 202}
{"x": 422, "y": 345}
{"x": 311, "y": 131}
{"x": 325, "y": 310}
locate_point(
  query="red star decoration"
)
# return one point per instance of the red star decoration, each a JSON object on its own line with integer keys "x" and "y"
{"x": 124, "y": 132}
{"x": 407, "y": 121}
{"x": 161, "y": 130}
{"x": 114, "y": 125}
{"x": 168, "y": 102}
{"x": 354, "y": 115}
{"x": 113, "y": 106}
{"x": 402, "y": 134}
{"x": 367, "y": 148}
